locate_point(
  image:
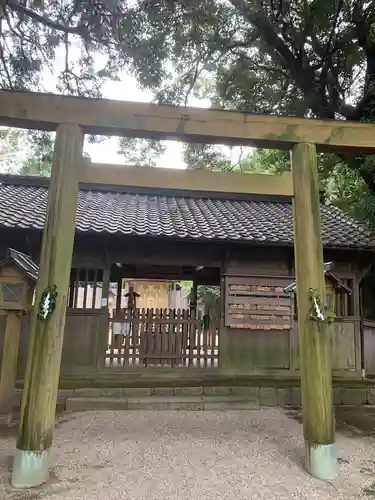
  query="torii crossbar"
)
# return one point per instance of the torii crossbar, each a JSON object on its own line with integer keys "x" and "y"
{"x": 72, "y": 117}
{"x": 131, "y": 119}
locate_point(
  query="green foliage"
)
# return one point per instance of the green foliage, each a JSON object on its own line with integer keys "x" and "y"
{"x": 208, "y": 296}
{"x": 312, "y": 58}
{"x": 12, "y": 142}
{"x": 39, "y": 162}
{"x": 35, "y": 35}
{"x": 26, "y": 152}
{"x": 340, "y": 185}
{"x": 141, "y": 152}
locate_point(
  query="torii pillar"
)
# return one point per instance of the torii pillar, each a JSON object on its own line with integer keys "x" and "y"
{"x": 314, "y": 336}
{"x": 37, "y": 422}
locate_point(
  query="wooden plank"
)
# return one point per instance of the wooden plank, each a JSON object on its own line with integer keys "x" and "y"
{"x": 244, "y": 324}
{"x": 85, "y": 288}
{"x": 118, "y": 295}
{"x": 165, "y": 336}
{"x": 196, "y": 180}
{"x": 94, "y": 286}
{"x": 173, "y": 338}
{"x": 256, "y": 320}
{"x": 343, "y": 352}
{"x": 71, "y": 293}
{"x": 216, "y": 343}
{"x": 135, "y": 321}
{"x": 206, "y": 333}
{"x": 76, "y": 289}
{"x": 189, "y": 317}
{"x": 185, "y": 338}
{"x": 198, "y": 329}
{"x": 258, "y": 312}
{"x": 369, "y": 347}
{"x": 81, "y": 340}
{"x": 258, "y": 300}
{"x": 126, "y": 349}
{"x": 258, "y": 280}
{"x": 46, "y": 335}
{"x": 271, "y": 295}
{"x": 158, "y": 335}
{"x": 8, "y": 373}
{"x": 315, "y": 356}
{"x": 111, "y": 117}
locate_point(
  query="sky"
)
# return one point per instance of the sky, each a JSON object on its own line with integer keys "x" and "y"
{"x": 128, "y": 89}
{"x": 106, "y": 151}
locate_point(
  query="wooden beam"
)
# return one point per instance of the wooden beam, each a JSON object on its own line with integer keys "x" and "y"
{"x": 46, "y": 334}
{"x": 190, "y": 180}
{"x": 110, "y": 117}
{"x": 314, "y": 336}
{"x": 9, "y": 365}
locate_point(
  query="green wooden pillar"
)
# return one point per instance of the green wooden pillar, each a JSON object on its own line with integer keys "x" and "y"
{"x": 38, "y": 408}
{"x": 314, "y": 339}
{"x": 9, "y": 365}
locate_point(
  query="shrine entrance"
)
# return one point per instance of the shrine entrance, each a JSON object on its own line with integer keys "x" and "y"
{"x": 156, "y": 322}
{"x": 72, "y": 118}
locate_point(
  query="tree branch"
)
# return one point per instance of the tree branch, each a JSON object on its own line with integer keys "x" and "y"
{"x": 299, "y": 68}
{"x": 46, "y": 21}
{"x": 255, "y": 16}
{"x": 2, "y": 57}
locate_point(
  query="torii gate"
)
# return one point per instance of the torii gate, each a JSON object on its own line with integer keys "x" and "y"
{"x": 72, "y": 117}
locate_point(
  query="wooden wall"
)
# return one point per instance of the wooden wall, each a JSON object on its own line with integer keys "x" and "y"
{"x": 85, "y": 341}
{"x": 277, "y": 350}
{"x": 369, "y": 347}
{"x": 270, "y": 351}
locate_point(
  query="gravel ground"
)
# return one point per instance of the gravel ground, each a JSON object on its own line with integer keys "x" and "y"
{"x": 190, "y": 455}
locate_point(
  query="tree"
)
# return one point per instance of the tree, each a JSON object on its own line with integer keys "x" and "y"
{"x": 34, "y": 33}
{"x": 208, "y": 297}
{"x": 298, "y": 57}
{"x": 12, "y": 142}
{"x": 304, "y": 58}
{"x": 26, "y": 152}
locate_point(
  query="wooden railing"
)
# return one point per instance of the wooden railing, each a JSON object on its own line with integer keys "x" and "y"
{"x": 162, "y": 337}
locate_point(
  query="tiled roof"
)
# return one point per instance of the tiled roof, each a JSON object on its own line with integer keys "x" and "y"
{"x": 23, "y": 261}
{"x": 177, "y": 215}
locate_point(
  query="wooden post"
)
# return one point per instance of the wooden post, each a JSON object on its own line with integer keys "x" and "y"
{"x": 314, "y": 337}
{"x": 358, "y": 325}
{"x": 9, "y": 366}
{"x": 194, "y": 297}
{"x": 46, "y": 335}
{"x": 105, "y": 337}
{"x": 118, "y": 296}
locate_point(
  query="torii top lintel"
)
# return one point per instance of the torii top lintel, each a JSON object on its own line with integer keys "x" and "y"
{"x": 131, "y": 119}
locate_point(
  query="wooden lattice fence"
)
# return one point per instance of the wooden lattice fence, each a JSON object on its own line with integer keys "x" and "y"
{"x": 162, "y": 337}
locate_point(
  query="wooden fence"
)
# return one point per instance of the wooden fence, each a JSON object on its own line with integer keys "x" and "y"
{"x": 162, "y": 337}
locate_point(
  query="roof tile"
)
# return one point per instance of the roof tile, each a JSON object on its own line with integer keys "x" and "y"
{"x": 24, "y": 206}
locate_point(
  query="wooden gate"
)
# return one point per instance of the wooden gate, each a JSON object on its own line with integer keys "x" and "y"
{"x": 161, "y": 337}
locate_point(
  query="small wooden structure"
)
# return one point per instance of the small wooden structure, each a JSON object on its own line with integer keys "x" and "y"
{"x": 337, "y": 293}
{"x": 18, "y": 274}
